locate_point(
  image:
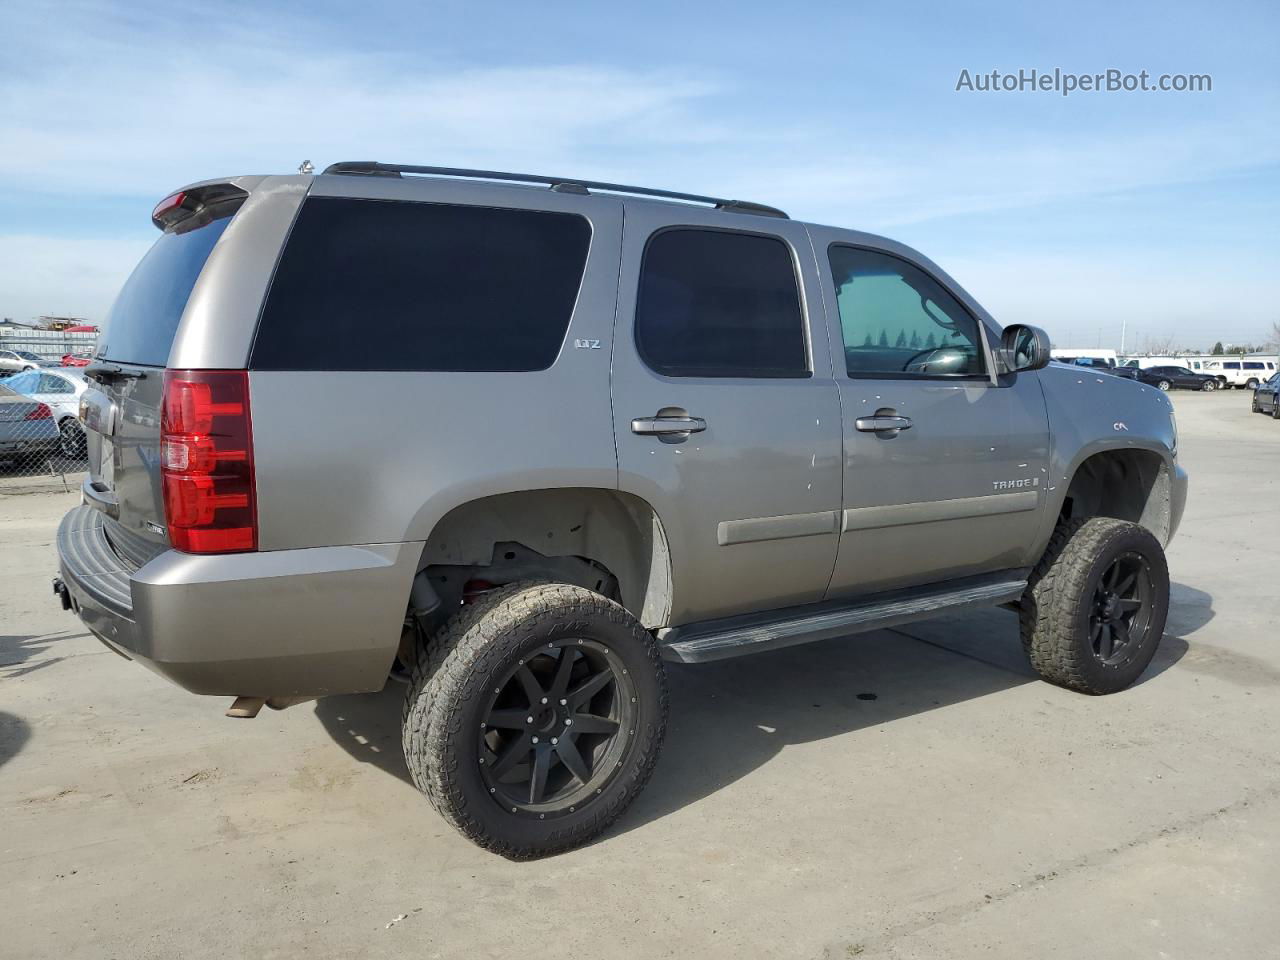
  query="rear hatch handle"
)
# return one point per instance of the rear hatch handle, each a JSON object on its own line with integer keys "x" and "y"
{"x": 98, "y": 495}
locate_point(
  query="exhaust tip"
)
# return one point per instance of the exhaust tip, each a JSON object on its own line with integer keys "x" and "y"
{"x": 245, "y": 708}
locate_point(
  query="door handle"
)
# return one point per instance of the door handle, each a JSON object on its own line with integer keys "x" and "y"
{"x": 665, "y": 426}
{"x": 883, "y": 425}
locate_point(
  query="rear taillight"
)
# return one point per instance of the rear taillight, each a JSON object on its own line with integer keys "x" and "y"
{"x": 206, "y": 461}
{"x": 40, "y": 411}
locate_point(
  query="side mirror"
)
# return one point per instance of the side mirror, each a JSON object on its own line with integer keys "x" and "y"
{"x": 1023, "y": 347}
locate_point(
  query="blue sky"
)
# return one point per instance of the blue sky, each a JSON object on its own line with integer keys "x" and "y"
{"x": 1158, "y": 209}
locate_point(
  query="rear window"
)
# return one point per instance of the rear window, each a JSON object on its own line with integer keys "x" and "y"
{"x": 143, "y": 320}
{"x": 388, "y": 285}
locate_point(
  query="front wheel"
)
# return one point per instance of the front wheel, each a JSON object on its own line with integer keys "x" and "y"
{"x": 1251, "y": 384}
{"x": 1095, "y": 606}
{"x": 1164, "y": 385}
{"x": 1207, "y": 385}
{"x": 1275, "y": 408}
{"x": 534, "y": 717}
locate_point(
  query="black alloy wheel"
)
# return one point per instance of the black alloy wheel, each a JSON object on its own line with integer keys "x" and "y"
{"x": 1121, "y": 614}
{"x": 556, "y": 728}
{"x": 534, "y": 715}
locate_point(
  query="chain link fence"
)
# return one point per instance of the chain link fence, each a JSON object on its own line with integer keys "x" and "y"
{"x": 41, "y": 380}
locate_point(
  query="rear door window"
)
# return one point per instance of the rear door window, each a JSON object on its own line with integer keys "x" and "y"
{"x": 392, "y": 285}
{"x": 718, "y": 303}
{"x": 144, "y": 318}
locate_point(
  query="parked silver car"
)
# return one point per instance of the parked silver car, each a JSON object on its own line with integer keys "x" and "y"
{"x": 614, "y": 426}
{"x": 14, "y": 360}
{"x": 28, "y": 430}
{"x": 61, "y": 389}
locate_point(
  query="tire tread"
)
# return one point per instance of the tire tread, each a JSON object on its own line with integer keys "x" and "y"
{"x": 437, "y": 702}
{"x": 1049, "y": 611}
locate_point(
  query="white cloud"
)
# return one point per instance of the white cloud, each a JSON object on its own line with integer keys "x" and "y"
{"x": 61, "y": 276}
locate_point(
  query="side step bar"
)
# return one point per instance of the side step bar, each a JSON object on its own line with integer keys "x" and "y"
{"x": 753, "y": 633}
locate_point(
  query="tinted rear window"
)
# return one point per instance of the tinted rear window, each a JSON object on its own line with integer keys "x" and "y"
{"x": 714, "y": 303}
{"x": 143, "y": 320}
{"x": 387, "y": 285}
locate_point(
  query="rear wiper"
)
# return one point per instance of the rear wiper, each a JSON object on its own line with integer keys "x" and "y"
{"x": 104, "y": 372}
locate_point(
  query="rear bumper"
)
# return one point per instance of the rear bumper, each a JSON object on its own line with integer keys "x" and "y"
{"x": 311, "y": 622}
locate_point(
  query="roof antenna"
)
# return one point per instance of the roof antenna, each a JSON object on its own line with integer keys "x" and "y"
{"x": 306, "y": 168}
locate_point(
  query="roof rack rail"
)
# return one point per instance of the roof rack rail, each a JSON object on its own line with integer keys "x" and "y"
{"x": 559, "y": 184}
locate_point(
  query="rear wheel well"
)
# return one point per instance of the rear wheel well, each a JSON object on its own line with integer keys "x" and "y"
{"x": 1129, "y": 485}
{"x": 609, "y": 542}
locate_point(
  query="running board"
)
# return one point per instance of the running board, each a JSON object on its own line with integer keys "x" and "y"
{"x": 753, "y": 633}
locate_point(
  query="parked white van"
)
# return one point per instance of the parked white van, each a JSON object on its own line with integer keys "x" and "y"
{"x": 1143, "y": 362}
{"x": 1238, "y": 371}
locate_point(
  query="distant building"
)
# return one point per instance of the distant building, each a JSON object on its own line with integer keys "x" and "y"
{"x": 63, "y": 323}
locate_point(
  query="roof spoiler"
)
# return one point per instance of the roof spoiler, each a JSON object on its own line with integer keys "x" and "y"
{"x": 193, "y": 201}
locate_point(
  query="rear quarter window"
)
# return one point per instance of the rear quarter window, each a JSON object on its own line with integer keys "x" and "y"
{"x": 144, "y": 318}
{"x": 392, "y": 285}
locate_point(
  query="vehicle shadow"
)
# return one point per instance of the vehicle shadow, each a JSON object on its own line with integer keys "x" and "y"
{"x": 730, "y": 717}
{"x": 14, "y": 734}
{"x": 17, "y": 650}
{"x": 803, "y": 693}
{"x": 1189, "y": 610}
{"x": 367, "y": 725}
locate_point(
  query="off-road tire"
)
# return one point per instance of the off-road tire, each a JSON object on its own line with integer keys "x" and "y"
{"x": 1054, "y": 612}
{"x": 451, "y": 676}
